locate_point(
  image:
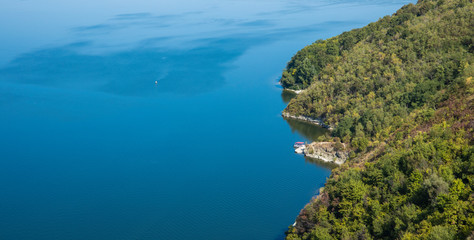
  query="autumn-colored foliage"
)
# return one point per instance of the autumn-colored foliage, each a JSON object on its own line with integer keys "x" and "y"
{"x": 400, "y": 92}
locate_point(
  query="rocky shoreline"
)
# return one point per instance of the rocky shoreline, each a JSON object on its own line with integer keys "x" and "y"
{"x": 332, "y": 152}
{"x": 318, "y": 122}
{"x": 325, "y": 151}
{"x": 328, "y": 152}
{"x": 295, "y": 91}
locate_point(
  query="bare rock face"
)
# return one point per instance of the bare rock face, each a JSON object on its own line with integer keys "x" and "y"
{"x": 328, "y": 151}
{"x": 318, "y": 122}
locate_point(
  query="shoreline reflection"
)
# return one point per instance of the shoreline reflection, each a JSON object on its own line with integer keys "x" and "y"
{"x": 309, "y": 131}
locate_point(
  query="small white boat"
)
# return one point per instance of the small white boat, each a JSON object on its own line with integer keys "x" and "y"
{"x": 298, "y": 144}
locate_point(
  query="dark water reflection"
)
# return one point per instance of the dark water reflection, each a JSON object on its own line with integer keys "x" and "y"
{"x": 309, "y": 131}
{"x": 320, "y": 163}
{"x": 131, "y": 72}
{"x": 286, "y": 96}
{"x": 196, "y": 68}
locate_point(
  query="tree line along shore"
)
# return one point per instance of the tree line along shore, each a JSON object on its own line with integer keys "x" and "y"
{"x": 399, "y": 93}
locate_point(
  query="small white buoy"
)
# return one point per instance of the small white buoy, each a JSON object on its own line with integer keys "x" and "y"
{"x": 156, "y": 82}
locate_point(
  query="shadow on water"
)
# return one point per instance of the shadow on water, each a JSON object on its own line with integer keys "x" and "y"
{"x": 129, "y": 72}
{"x": 133, "y": 71}
{"x": 145, "y": 65}
{"x": 320, "y": 163}
{"x": 141, "y": 19}
{"x": 286, "y": 96}
{"x": 309, "y": 131}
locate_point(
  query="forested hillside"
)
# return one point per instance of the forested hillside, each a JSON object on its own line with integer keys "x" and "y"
{"x": 401, "y": 92}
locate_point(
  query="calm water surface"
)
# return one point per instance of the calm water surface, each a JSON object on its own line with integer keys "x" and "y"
{"x": 92, "y": 148}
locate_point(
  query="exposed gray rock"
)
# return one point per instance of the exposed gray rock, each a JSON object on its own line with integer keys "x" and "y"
{"x": 300, "y": 150}
{"x": 327, "y": 151}
{"x": 318, "y": 122}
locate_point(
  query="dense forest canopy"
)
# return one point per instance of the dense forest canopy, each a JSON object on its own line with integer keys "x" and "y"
{"x": 401, "y": 92}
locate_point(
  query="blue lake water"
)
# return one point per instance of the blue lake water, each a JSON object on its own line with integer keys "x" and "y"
{"x": 92, "y": 148}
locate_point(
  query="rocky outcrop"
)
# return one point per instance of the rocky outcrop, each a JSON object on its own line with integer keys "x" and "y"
{"x": 328, "y": 151}
{"x": 295, "y": 91}
{"x": 300, "y": 150}
{"x": 318, "y": 122}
